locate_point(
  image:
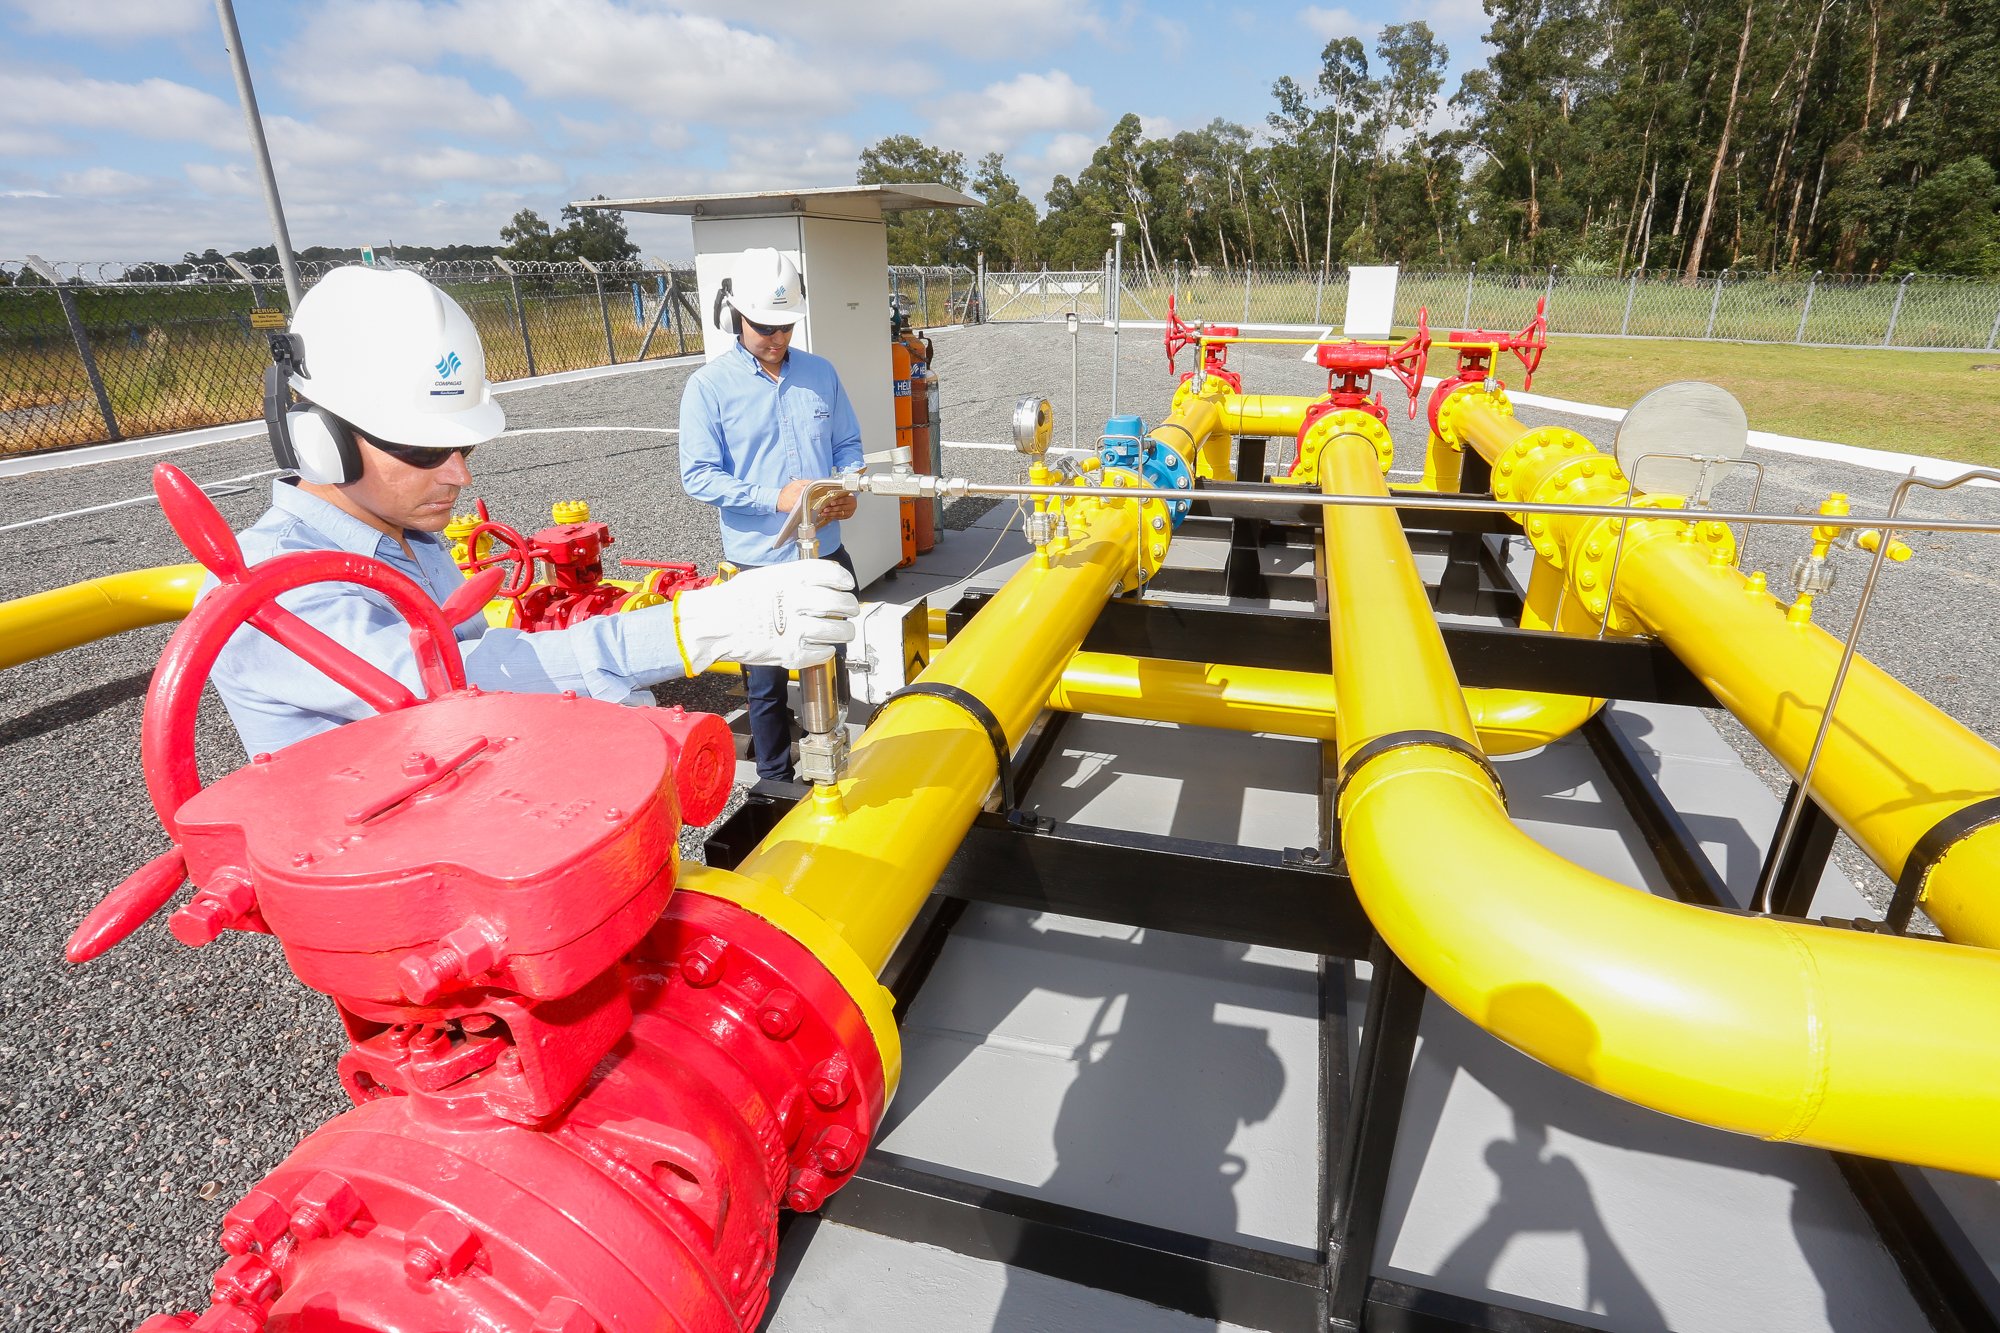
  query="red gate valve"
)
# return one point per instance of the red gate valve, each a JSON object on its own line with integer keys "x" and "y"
{"x": 511, "y": 549}
{"x": 1476, "y": 348}
{"x": 1213, "y": 342}
{"x": 1179, "y": 334}
{"x": 676, "y": 576}
{"x": 1351, "y": 368}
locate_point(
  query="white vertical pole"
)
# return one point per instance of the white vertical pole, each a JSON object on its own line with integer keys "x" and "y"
{"x": 232, "y": 42}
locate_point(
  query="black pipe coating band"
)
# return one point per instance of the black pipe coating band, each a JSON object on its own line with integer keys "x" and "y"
{"x": 975, "y": 707}
{"x": 1940, "y": 838}
{"x": 1403, "y": 740}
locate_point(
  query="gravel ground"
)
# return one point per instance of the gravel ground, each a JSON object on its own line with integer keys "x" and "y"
{"x": 145, "y": 1092}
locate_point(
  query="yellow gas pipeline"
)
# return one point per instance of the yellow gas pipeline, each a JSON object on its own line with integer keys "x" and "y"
{"x": 846, "y": 871}
{"x": 1893, "y": 767}
{"x": 1285, "y": 703}
{"x": 1859, "y": 1043}
{"x": 49, "y": 622}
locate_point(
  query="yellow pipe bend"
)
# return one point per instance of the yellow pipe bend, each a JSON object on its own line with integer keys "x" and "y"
{"x": 1893, "y": 767}
{"x": 1285, "y": 703}
{"x": 63, "y": 618}
{"x": 1848, "y": 1041}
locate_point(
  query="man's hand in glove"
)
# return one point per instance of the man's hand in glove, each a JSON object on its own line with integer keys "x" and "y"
{"x": 792, "y": 615}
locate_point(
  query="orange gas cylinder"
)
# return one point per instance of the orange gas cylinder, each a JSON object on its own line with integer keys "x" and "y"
{"x": 900, "y": 359}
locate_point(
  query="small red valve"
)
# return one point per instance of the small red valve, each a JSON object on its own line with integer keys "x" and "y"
{"x": 1351, "y": 368}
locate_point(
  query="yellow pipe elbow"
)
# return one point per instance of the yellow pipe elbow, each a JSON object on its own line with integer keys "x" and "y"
{"x": 1264, "y": 413}
{"x": 1847, "y": 1041}
{"x": 64, "y": 618}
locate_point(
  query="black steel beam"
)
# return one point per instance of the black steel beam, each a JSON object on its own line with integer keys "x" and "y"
{"x": 1358, "y": 1181}
{"x": 893, "y": 1196}
{"x": 1397, "y": 1307}
{"x": 1805, "y": 858}
{"x": 1250, "y": 895}
{"x": 1689, "y": 872}
{"x": 1936, "y": 1259}
{"x": 1638, "y": 669}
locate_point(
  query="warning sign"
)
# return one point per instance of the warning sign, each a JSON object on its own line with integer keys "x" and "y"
{"x": 267, "y": 319}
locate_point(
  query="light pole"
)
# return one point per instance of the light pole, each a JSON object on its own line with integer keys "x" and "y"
{"x": 1111, "y": 309}
{"x": 232, "y": 42}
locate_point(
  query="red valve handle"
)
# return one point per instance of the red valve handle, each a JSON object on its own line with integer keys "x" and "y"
{"x": 1179, "y": 334}
{"x": 677, "y": 566}
{"x": 519, "y": 553}
{"x": 1531, "y": 342}
{"x": 248, "y": 595}
{"x": 1406, "y": 362}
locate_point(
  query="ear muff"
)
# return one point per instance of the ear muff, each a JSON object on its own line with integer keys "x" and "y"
{"x": 722, "y": 302}
{"x": 309, "y": 440}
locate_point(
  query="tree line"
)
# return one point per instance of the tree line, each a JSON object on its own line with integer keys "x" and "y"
{"x": 1600, "y": 135}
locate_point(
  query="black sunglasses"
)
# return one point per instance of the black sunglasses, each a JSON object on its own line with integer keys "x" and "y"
{"x": 425, "y": 459}
{"x": 769, "y": 330}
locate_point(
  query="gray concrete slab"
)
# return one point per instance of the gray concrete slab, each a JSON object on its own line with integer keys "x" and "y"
{"x": 1155, "y": 1077}
{"x": 851, "y": 1279}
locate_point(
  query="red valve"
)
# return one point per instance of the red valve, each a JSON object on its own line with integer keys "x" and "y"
{"x": 581, "y": 1096}
{"x": 514, "y": 552}
{"x": 575, "y": 588}
{"x": 1351, "y": 368}
{"x": 248, "y": 595}
{"x": 1476, "y": 349}
{"x": 1179, "y": 334}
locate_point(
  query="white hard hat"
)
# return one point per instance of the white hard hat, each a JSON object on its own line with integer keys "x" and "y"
{"x": 765, "y": 287}
{"x": 396, "y": 358}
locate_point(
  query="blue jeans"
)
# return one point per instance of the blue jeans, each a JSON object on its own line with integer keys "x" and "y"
{"x": 771, "y": 707}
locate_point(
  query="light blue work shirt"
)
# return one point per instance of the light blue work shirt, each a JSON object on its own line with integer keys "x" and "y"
{"x": 744, "y": 436}
{"x": 274, "y": 698}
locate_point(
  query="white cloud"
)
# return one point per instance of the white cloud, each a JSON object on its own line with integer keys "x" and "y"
{"x": 114, "y": 18}
{"x": 977, "y": 28}
{"x": 1066, "y": 154}
{"x": 1327, "y": 24}
{"x": 152, "y": 109}
{"x": 656, "y": 63}
{"x": 103, "y": 183}
{"x": 410, "y": 102}
{"x": 1001, "y": 115}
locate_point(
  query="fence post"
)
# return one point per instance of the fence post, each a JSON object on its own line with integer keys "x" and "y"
{"x": 1896, "y": 310}
{"x": 1993, "y": 335}
{"x": 923, "y": 298}
{"x": 1714, "y": 303}
{"x": 42, "y": 267}
{"x": 1319, "y": 290}
{"x": 520, "y": 313}
{"x": 1549, "y": 292}
{"x": 1812, "y": 284}
{"x": 1631, "y": 290}
{"x": 1246, "y": 293}
{"x": 672, "y": 300}
{"x": 1175, "y": 288}
{"x": 1465, "y": 321}
{"x": 979, "y": 291}
{"x": 603, "y": 311}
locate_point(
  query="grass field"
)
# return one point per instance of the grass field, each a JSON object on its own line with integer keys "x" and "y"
{"x": 1935, "y": 403}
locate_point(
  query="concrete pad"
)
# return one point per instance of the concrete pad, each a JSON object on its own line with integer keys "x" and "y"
{"x": 1251, "y": 790}
{"x": 1155, "y": 1077}
{"x": 850, "y": 1279}
{"x": 1513, "y": 1183}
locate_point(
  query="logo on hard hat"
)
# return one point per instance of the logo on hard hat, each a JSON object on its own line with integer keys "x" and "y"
{"x": 448, "y": 365}
{"x": 779, "y": 293}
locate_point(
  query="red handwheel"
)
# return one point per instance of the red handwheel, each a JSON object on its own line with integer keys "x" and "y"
{"x": 248, "y": 595}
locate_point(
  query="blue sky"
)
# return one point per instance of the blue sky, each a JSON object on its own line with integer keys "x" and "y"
{"x": 433, "y": 121}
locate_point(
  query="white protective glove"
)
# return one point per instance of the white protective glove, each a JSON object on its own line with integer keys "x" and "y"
{"x": 792, "y": 615}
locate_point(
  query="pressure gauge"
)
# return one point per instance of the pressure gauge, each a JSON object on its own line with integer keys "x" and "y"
{"x": 1034, "y": 421}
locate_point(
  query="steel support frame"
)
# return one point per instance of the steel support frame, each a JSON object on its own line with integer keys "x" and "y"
{"x": 1301, "y": 899}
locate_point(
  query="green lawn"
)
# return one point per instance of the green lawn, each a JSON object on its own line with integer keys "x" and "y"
{"x": 1934, "y": 403}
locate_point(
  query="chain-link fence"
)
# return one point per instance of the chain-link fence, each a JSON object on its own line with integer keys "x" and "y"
{"x": 95, "y": 352}
{"x": 1918, "y": 311}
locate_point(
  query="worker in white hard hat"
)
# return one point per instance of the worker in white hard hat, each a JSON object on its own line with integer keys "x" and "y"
{"x": 758, "y": 425}
{"x": 376, "y": 399}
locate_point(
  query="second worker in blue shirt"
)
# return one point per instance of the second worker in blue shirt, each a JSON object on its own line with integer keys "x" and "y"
{"x": 758, "y": 424}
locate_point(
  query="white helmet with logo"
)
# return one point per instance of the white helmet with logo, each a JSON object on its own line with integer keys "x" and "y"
{"x": 765, "y": 288}
{"x": 396, "y": 358}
